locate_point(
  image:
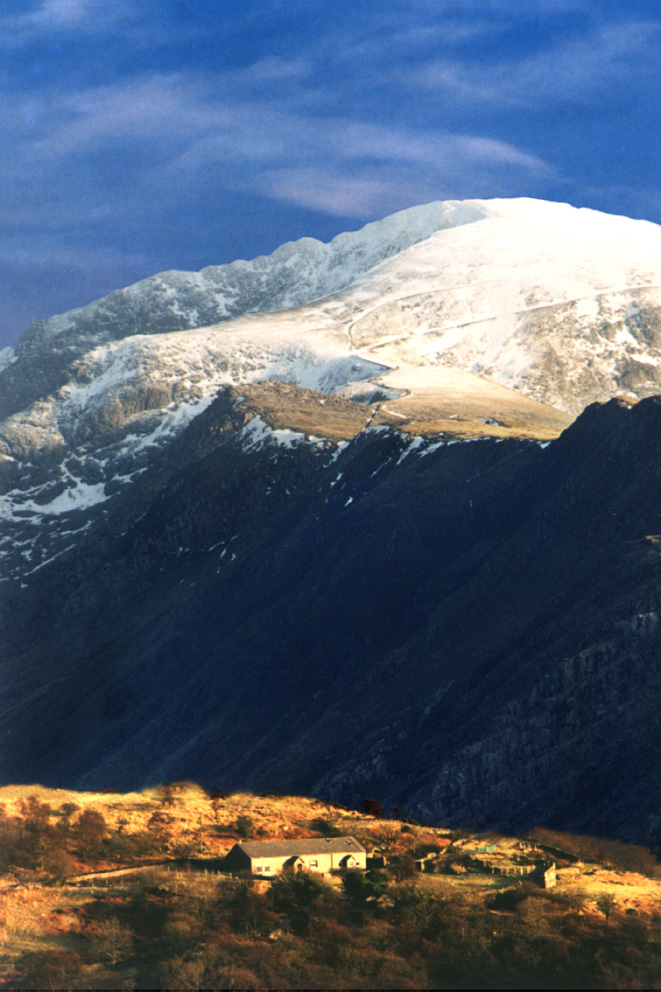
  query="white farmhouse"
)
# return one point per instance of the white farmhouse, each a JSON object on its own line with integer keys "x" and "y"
{"x": 270, "y": 857}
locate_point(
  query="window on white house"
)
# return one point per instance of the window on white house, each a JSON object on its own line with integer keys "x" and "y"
{"x": 267, "y": 868}
{"x": 313, "y": 864}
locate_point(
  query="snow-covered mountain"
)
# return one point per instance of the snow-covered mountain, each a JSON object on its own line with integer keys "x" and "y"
{"x": 245, "y": 494}
{"x": 559, "y": 303}
{"x": 422, "y": 310}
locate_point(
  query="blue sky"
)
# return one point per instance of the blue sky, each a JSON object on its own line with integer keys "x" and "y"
{"x": 142, "y": 135}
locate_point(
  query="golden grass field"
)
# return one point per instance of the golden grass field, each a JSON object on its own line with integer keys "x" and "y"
{"x": 183, "y": 928}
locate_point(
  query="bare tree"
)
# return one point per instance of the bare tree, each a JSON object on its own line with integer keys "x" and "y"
{"x": 216, "y": 799}
{"x": 606, "y": 903}
{"x": 115, "y": 941}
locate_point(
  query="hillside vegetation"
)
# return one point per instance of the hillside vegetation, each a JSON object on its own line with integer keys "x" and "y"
{"x": 127, "y": 891}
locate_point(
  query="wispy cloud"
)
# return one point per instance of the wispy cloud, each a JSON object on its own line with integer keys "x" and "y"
{"x": 184, "y": 129}
{"x": 43, "y": 253}
{"x": 499, "y": 9}
{"x": 328, "y": 192}
{"x": 448, "y": 167}
{"x": 62, "y": 16}
{"x": 205, "y": 124}
{"x": 261, "y": 134}
{"x": 183, "y": 108}
{"x": 362, "y": 170}
{"x": 349, "y": 167}
{"x": 142, "y": 109}
{"x": 575, "y": 69}
{"x": 268, "y": 127}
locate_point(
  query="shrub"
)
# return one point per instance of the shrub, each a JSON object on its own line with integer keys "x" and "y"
{"x": 58, "y": 864}
{"x": 35, "y": 814}
{"x": 166, "y": 794}
{"x": 250, "y": 912}
{"x": 244, "y": 826}
{"x": 329, "y": 939}
{"x": 89, "y": 830}
{"x": 51, "y": 969}
{"x": 508, "y": 899}
{"x": 238, "y": 978}
{"x": 325, "y": 827}
{"x": 602, "y": 850}
{"x": 299, "y": 889}
{"x": 16, "y": 846}
{"x": 294, "y": 896}
{"x": 363, "y": 886}
{"x": 184, "y": 973}
{"x": 373, "y": 808}
{"x": 606, "y": 903}
{"x": 27, "y": 837}
{"x": 182, "y": 849}
{"x": 388, "y": 834}
{"x": 67, "y": 810}
{"x": 216, "y": 799}
{"x": 123, "y": 847}
{"x": 403, "y": 867}
{"x": 159, "y": 824}
{"x": 420, "y": 912}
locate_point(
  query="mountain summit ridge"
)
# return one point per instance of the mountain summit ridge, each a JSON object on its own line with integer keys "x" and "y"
{"x": 485, "y": 286}
{"x": 297, "y": 272}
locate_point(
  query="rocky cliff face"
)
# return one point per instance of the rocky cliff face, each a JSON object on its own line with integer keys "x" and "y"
{"x": 466, "y": 630}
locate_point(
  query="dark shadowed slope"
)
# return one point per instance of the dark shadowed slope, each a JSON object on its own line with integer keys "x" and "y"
{"x": 468, "y": 630}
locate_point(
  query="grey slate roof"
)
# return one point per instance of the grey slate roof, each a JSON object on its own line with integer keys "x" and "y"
{"x": 309, "y": 845}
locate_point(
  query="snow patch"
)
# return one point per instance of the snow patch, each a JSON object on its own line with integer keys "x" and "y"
{"x": 81, "y": 496}
{"x": 287, "y": 438}
{"x": 7, "y": 357}
{"x": 433, "y": 447}
{"x": 255, "y": 433}
{"x": 338, "y": 451}
{"x": 412, "y": 446}
{"x": 624, "y": 336}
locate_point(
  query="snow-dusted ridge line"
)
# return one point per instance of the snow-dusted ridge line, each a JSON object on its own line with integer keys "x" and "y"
{"x": 296, "y": 273}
